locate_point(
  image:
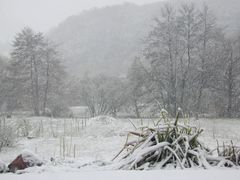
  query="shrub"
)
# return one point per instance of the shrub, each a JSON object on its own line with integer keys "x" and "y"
{"x": 7, "y": 136}
{"x": 23, "y": 127}
{"x": 60, "y": 111}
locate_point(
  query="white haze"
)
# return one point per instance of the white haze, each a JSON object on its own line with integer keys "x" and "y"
{"x": 42, "y": 15}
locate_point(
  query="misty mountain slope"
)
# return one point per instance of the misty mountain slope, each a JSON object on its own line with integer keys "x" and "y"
{"x": 4, "y": 48}
{"x": 103, "y": 40}
{"x": 227, "y": 13}
{"x": 106, "y": 40}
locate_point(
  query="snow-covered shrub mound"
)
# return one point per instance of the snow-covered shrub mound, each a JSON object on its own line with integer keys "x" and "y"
{"x": 7, "y": 136}
{"x": 31, "y": 158}
{"x": 102, "y": 120}
{"x": 3, "y": 167}
{"x": 103, "y": 126}
{"x": 24, "y": 160}
{"x": 170, "y": 144}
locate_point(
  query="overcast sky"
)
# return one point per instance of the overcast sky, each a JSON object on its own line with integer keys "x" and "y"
{"x": 42, "y": 15}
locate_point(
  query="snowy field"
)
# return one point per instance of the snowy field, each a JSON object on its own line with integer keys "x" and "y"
{"x": 133, "y": 175}
{"x": 83, "y": 145}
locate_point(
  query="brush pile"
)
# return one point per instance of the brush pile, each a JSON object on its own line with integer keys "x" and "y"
{"x": 170, "y": 145}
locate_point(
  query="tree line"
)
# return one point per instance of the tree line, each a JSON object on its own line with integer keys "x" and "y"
{"x": 188, "y": 62}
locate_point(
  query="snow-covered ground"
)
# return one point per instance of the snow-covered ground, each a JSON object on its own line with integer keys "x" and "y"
{"x": 75, "y": 147}
{"x": 132, "y": 175}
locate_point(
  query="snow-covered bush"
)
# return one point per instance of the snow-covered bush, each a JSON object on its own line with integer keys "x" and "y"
{"x": 3, "y": 167}
{"x": 102, "y": 120}
{"x": 230, "y": 152}
{"x": 23, "y": 127}
{"x": 171, "y": 144}
{"x": 31, "y": 158}
{"x": 60, "y": 110}
{"x": 104, "y": 126}
{"x": 7, "y": 136}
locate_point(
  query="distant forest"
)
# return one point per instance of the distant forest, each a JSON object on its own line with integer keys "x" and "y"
{"x": 129, "y": 60}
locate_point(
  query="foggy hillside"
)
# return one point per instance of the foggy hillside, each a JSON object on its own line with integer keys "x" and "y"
{"x": 104, "y": 40}
{"x": 96, "y": 40}
{"x": 4, "y": 48}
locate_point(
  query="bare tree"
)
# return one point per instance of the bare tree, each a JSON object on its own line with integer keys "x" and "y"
{"x": 136, "y": 87}
{"x": 33, "y": 66}
{"x": 163, "y": 53}
{"x": 207, "y": 37}
{"x": 189, "y": 30}
{"x": 102, "y": 94}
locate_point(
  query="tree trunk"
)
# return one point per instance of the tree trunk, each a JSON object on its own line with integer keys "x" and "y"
{"x": 46, "y": 88}
{"x": 203, "y": 61}
{"x": 230, "y": 87}
{"x": 136, "y": 109}
{"x": 36, "y": 81}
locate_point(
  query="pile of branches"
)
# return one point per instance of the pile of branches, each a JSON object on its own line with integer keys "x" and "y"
{"x": 171, "y": 144}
